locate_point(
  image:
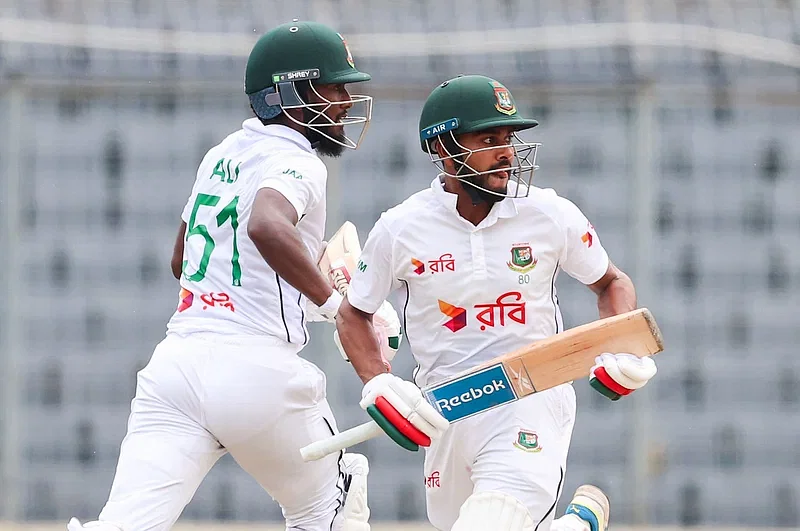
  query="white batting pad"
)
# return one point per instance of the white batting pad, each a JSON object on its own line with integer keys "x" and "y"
{"x": 493, "y": 510}
{"x": 355, "y": 514}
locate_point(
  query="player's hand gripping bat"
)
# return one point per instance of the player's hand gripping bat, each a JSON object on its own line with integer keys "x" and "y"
{"x": 541, "y": 365}
{"x": 338, "y": 262}
{"x": 340, "y": 257}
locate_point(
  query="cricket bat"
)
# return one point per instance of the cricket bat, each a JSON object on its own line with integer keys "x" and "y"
{"x": 341, "y": 257}
{"x": 533, "y": 368}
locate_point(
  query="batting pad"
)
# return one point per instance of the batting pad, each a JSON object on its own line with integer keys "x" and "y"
{"x": 493, "y": 510}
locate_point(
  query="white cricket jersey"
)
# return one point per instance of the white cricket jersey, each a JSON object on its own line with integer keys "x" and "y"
{"x": 472, "y": 293}
{"x": 227, "y": 286}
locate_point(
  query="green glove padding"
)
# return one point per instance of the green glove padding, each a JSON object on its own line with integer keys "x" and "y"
{"x": 598, "y": 386}
{"x": 390, "y": 430}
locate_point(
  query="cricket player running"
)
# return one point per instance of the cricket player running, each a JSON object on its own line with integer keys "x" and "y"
{"x": 227, "y": 377}
{"x": 476, "y": 258}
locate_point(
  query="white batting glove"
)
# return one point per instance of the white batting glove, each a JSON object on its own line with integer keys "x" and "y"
{"x": 398, "y": 407}
{"x": 617, "y": 375}
{"x": 338, "y": 343}
{"x": 388, "y": 331}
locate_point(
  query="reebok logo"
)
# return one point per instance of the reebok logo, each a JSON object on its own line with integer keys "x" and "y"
{"x": 474, "y": 393}
{"x": 464, "y": 396}
{"x": 458, "y": 316}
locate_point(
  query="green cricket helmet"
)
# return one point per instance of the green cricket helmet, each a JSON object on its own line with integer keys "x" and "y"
{"x": 469, "y": 104}
{"x": 304, "y": 52}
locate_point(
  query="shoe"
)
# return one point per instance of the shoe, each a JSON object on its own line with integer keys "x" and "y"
{"x": 591, "y": 505}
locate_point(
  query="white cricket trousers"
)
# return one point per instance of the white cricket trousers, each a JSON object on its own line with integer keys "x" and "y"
{"x": 519, "y": 449}
{"x": 201, "y": 396}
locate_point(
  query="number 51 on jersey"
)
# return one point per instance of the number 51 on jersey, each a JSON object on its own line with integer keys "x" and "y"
{"x": 228, "y": 212}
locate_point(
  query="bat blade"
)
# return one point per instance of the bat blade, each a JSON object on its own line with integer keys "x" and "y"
{"x": 544, "y": 364}
{"x": 570, "y": 355}
{"x": 534, "y": 368}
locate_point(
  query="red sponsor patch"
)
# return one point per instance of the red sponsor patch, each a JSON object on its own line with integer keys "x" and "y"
{"x": 217, "y": 300}
{"x": 508, "y": 305}
{"x": 432, "y": 481}
{"x": 458, "y": 316}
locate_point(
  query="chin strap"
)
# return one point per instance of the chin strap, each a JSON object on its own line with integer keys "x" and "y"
{"x": 314, "y": 139}
{"x": 479, "y": 195}
{"x": 472, "y": 191}
{"x": 475, "y": 195}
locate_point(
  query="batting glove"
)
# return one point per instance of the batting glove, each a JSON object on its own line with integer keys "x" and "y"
{"x": 387, "y": 329}
{"x": 617, "y": 375}
{"x": 399, "y": 408}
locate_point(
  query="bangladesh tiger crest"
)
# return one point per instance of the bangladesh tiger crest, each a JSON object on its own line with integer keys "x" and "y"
{"x": 528, "y": 441}
{"x": 505, "y": 103}
{"x": 522, "y": 259}
{"x": 347, "y": 48}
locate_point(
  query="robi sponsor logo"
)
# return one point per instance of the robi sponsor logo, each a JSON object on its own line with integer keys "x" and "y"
{"x": 458, "y": 316}
{"x": 508, "y": 305}
{"x": 433, "y": 480}
{"x": 445, "y": 262}
{"x": 507, "y": 308}
{"x": 208, "y": 300}
{"x": 588, "y": 236}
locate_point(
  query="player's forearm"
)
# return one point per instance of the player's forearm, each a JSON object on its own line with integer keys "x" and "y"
{"x": 281, "y": 246}
{"x": 619, "y": 296}
{"x": 359, "y": 341}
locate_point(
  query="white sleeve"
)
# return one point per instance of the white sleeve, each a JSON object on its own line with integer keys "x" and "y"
{"x": 201, "y": 170}
{"x": 187, "y": 210}
{"x": 300, "y": 179}
{"x": 584, "y": 257}
{"x": 374, "y": 278}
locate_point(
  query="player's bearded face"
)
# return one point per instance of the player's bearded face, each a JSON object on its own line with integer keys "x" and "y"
{"x": 497, "y": 160}
{"x": 494, "y": 182}
{"x": 335, "y": 113}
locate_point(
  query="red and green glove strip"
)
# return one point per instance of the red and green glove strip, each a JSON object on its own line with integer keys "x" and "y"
{"x": 618, "y": 375}
{"x": 606, "y": 386}
{"x": 400, "y": 409}
{"x": 397, "y": 427}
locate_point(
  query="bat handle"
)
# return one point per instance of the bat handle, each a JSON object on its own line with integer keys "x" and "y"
{"x": 340, "y": 441}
